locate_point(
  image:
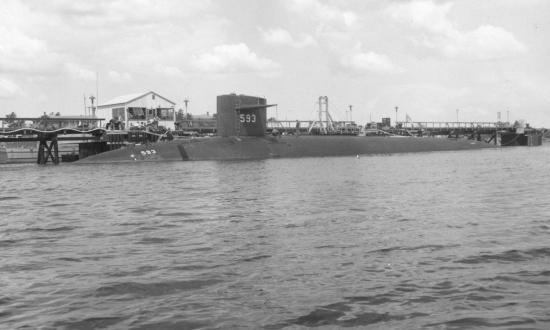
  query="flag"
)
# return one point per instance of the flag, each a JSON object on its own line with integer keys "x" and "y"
{"x": 407, "y": 118}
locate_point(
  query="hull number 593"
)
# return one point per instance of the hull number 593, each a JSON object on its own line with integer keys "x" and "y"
{"x": 248, "y": 118}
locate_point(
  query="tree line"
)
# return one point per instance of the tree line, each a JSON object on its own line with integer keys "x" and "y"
{"x": 12, "y": 120}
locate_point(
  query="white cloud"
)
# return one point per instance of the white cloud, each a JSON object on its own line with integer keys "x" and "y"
{"x": 122, "y": 13}
{"x": 119, "y": 77}
{"x": 236, "y": 58}
{"x": 424, "y": 14}
{"x": 485, "y": 42}
{"x": 78, "y": 72}
{"x": 22, "y": 50}
{"x": 8, "y": 89}
{"x": 359, "y": 62}
{"x": 323, "y": 13}
{"x": 169, "y": 71}
{"x": 20, "y": 53}
{"x": 334, "y": 26}
{"x": 279, "y": 36}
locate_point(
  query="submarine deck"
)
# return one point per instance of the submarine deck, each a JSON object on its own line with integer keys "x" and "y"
{"x": 242, "y": 148}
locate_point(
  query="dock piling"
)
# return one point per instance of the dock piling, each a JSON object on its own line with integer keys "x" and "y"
{"x": 48, "y": 150}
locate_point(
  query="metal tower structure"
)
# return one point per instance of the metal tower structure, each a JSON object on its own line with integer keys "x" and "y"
{"x": 324, "y": 122}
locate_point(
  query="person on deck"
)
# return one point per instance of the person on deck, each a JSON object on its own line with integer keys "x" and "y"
{"x": 112, "y": 123}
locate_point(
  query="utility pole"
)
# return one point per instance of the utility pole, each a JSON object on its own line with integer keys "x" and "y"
{"x": 186, "y": 101}
{"x": 92, "y": 98}
{"x": 350, "y": 108}
{"x": 396, "y": 108}
{"x": 97, "y": 93}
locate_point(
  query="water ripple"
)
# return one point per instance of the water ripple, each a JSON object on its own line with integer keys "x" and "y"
{"x": 409, "y": 241}
{"x": 53, "y": 229}
{"x": 7, "y": 198}
{"x": 478, "y": 322}
{"x": 152, "y": 289}
{"x": 89, "y": 323}
{"x": 155, "y": 240}
{"x": 508, "y": 256}
{"x": 342, "y": 315}
{"x": 428, "y": 247}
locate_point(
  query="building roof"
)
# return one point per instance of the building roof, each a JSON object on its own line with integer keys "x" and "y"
{"x": 124, "y": 99}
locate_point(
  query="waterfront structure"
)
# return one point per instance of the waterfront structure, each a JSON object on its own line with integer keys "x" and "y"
{"x": 139, "y": 110}
{"x": 52, "y": 122}
{"x": 243, "y": 133}
{"x": 202, "y": 123}
{"x": 3, "y": 154}
{"x": 79, "y": 122}
{"x": 42, "y": 134}
{"x": 48, "y": 141}
{"x": 324, "y": 123}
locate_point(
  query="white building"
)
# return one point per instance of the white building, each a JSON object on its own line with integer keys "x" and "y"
{"x": 139, "y": 109}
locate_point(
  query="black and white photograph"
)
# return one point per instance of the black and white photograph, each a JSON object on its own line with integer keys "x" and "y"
{"x": 274, "y": 164}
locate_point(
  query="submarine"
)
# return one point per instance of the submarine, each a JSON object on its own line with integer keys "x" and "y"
{"x": 241, "y": 122}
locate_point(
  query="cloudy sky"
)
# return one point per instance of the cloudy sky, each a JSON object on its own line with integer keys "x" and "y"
{"x": 428, "y": 57}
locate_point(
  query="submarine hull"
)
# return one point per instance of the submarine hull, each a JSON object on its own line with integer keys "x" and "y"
{"x": 243, "y": 148}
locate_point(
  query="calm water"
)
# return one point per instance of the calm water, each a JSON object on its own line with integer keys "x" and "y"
{"x": 446, "y": 240}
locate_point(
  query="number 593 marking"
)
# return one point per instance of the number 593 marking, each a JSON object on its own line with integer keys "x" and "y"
{"x": 248, "y": 118}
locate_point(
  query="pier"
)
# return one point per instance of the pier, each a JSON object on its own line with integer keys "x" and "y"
{"x": 502, "y": 133}
{"x": 86, "y": 134}
{"x": 49, "y": 131}
{"x": 402, "y": 128}
{"x": 48, "y": 146}
{"x": 449, "y": 127}
{"x": 309, "y": 127}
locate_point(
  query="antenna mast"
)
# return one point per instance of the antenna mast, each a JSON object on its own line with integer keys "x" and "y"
{"x": 97, "y": 94}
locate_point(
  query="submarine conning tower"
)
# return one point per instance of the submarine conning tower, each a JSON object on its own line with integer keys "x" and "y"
{"x": 241, "y": 115}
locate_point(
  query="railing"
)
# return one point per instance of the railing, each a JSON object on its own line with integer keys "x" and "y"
{"x": 451, "y": 124}
{"x": 47, "y": 123}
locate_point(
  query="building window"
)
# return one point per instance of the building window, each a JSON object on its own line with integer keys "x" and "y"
{"x": 136, "y": 113}
{"x": 153, "y": 96}
{"x": 119, "y": 113}
{"x": 165, "y": 113}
